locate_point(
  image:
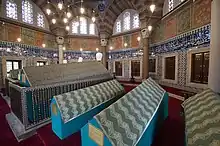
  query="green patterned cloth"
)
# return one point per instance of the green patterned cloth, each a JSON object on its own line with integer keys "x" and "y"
{"x": 124, "y": 122}
{"x": 60, "y": 73}
{"x": 75, "y": 103}
{"x": 202, "y": 119}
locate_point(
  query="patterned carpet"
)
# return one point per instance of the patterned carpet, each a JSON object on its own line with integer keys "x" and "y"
{"x": 170, "y": 134}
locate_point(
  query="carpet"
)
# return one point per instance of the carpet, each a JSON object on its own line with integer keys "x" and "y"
{"x": 170, "y": 134}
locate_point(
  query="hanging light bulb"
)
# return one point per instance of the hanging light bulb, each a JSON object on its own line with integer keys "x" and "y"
{"x": 97, "y": 49}
{"x": 68, "y": 14}
{"x": 67, "y": 28}
{"x": 138, "y": 38}
{"x": 65, "y": 20}
{"x": 81, "y": 49}
{"x": 60, "y": 5}
{"x": 54, "y": 21}
{"x": 44, "y": 45}
{"x": 150, "y": 28}
{"x": 82, "y": 10}
{"x": 111, "y": 48}
{"x": 152, "y": 8}
{"x": 19, "y": 39}
{"x": 48, "y": 11}
{"x": 93, "y": 19}
{"x": 64, "y": 48}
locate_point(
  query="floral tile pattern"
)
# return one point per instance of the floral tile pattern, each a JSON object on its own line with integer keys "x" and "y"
{"x": 184, "y": 20}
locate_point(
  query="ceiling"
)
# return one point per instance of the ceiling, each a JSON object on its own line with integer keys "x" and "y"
{"x": 105, "y": 19}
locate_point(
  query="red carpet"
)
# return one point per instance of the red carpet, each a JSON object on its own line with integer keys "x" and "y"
{"x": 170, "y": 134}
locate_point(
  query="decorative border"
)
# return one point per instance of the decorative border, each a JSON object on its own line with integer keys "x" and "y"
{"x": 193, "y": 38}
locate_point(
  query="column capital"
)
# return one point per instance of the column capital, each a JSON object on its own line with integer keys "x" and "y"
{"x": 145, "y": 33}
{"x": 60, "y": 40}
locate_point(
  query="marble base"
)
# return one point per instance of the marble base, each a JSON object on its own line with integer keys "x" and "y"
{"x": 18, "y": 128}
{"x": 7, "y": 99}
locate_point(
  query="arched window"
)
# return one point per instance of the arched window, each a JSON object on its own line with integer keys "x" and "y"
{"x": 27, "y": 12}
{"x": 75, "y": 26}
{"x": 40, "y": 20}
{"x": 11, "y": 9}
{"x": 92, "y": 29}
{"x": 118, "y": 26}
{"x": 127, "y": 21}
{"x": 83, "y": 25}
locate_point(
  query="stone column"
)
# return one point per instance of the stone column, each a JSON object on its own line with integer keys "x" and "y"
{"x": 145, "y": 44}
{"x": 214, "y": 63}
{"x": 60, "y": 41}
{"x": 104, "y": 43}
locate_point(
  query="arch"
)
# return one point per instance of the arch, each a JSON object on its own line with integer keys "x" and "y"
{"x": 126, "y": 21}
{"x": 25, "y": 11}
{"x": 83, "y": 26}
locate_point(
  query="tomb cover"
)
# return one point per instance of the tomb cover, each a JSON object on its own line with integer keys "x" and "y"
{"x": 58, "y": 73}
{"x": 202, "y": 119}
{"x": 75, "y": 103}
{"x": 125, "y": 121}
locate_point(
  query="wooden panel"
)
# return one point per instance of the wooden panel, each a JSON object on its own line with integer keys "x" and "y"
{"x": 201, "y": 13}
{"x": 118, "y": 68}
{"x": 135, "y": 68}
{"x": 206, "y": 67}
{"x": 152, "y": 65}
{"x": 196, "y": 67}
{"x": 184, "y": 20}
{"x": 170, "y": 68}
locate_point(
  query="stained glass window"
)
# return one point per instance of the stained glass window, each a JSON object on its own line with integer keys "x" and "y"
{"x": 92, "y": 29}
{"x": 127, "y": 20}
{"x": 11, "y": 9}
{"x": 170, "y": 5}
{"x": 136, "y": 21}
{"x": 118, "y": 26}
{"x": 83, "y": 25}
{"x": 75, "y": 26}
{"x": 40, "y": 20}
{"x": 27, "y": 12}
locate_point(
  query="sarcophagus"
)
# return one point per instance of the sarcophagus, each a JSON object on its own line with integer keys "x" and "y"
{"x": 31, "y": 98}
{"x": 72, "y": 110}
{"x": 130, "y": 121}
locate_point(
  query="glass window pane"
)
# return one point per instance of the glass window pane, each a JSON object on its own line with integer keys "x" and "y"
{"x": 170, "y": 5}
{"x": 11, "y": 9}
{"x": 83, "y": 25}
{"x": 8, "y": 66}
{"x": 118, "y": 26}
{"x": 136, "y": 21}
{"x": 75, "y": 26}
{"x": 15, "y": 65}
{"x": 126, "y": 21}
{"x": 27, "y": 12}
{"x": 92, "y": 29}
{"x": 40, "y": 20}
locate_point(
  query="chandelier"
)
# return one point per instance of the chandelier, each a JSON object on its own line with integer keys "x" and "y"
{"x": 64, "y": 10}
